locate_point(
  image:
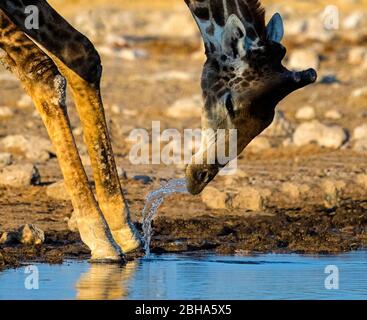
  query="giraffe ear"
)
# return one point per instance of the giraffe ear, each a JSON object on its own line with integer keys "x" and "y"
{"x": 233, "y": 37}
{"x": 275, "y": 28}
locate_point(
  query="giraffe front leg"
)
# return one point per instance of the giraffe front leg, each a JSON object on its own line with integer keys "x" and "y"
{"x": 109, "y": 193}
{"x": 46, "y": 86}
{"x": 77, "y": 59}
{"x": 92, "y": 226}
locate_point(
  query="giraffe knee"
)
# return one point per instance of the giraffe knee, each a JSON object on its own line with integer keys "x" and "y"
{"x": 84, "y": 60}
{"x": 50, "y": 96}
{"x": 47, "y": 88}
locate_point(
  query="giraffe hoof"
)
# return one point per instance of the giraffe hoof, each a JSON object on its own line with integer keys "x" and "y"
{"x": 107, "y": 254}
{"x": 100, "y": 256}
{"x": 128, "y": 239}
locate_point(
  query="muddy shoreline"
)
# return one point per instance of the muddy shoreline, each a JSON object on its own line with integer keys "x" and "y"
{"x": 304, "y": 231}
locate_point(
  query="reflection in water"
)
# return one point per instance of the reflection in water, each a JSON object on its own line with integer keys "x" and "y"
{"x": 196, "y": 276}
{"x": 105, "y": 282}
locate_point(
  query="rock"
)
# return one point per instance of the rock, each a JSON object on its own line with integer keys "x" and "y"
{"x": 332, "y": 137}
{"x": 18, "y": 176}
{"x": 34, "y": 148}
{"x": 265, "y": 194}
{"x": 7, "y": 76}
{"x": 29, "y": 234}
{"x": 302, "y": 59}
{"x": 291, "y": 189}
{"x": 360, "y": 146}
{"x": 214, "y": 198}
{"x": 360, "y": 92}
{"x": 15, "y": 142}
{"x": 236, "y": 173}
{"x": 360, "y": 132}
{"x": 357, "y": 56}
{"x": 6, "y": 159}
{"x": 6, "y": 112}
{"x": 58, "y": 191}
{"x": 332, "y": 190}
{"x": 259, "y": 144}
{"x": 143, "y": 179}
{"x": 325, "y": 136}
{"x": 241, "y": 173}
{"x": 9, "y": 238}
{"x": 186, "y": 108}
{"x": 248, "y": 198}
{"x": 361, "y": 180}
{"x": 333, "y": 115}
{"x": 306, "y": 113}
{"x": 235, "y": 176}
{"x": 304, "y": 189}
{"x": 354, "y": 21}
{"x": 360, "y": 139}
{"x": 25, "y": 101}
{"x": 281, "y": 127}
{"x": 73, "y": 223}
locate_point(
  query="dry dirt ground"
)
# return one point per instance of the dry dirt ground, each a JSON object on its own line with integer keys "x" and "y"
{"x": 289, "y": 219}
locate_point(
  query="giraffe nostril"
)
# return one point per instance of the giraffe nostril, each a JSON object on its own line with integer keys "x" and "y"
{"x": 309, "y": 75}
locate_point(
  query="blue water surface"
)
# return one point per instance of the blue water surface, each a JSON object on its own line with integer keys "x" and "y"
{"x": 193, "y": 276}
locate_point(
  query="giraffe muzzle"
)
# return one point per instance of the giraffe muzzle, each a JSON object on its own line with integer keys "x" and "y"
{"x": 303, "y": 78}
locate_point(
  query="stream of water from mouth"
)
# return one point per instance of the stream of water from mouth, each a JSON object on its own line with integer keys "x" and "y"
{"x": 153, "y": 201}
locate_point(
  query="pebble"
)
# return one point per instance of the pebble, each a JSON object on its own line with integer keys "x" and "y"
{"x": 306, "y": 113}
{"x": 332, "y": 137}
{"x": 214, "y": 198}
{"x": 18, "y": 176}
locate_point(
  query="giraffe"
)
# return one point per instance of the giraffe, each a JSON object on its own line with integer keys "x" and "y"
{"x": 44, "y": 60}
{"x": 243, "y": 77}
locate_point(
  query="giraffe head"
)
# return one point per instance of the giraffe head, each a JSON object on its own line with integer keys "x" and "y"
{"x": 243, "y": 78}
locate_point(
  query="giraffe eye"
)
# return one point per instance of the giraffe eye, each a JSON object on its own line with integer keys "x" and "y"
{"x": 230, "y": 106}
{"x": 202, "y": 176}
